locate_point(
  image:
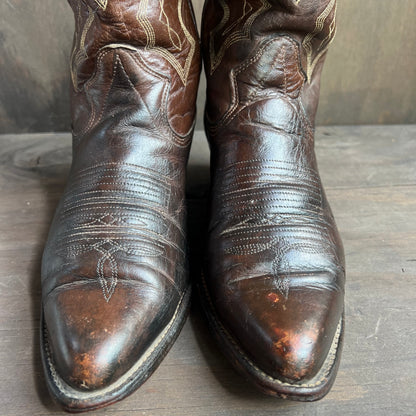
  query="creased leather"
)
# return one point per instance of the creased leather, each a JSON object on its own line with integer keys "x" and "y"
{"x": 275, "y": 262}
{"x": 114, "y": 266}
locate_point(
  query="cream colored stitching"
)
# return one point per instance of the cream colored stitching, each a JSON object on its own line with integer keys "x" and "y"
{"x": 176, "y": 43}
{"x": 237, "y": 35}
{"x": 79, "y": 54}
{"x": 230, "y": 113}
{"x": 102, "y": 3}
{"x": 244, "y": 14}
{"x": 175, "y": 137}
{"x": 74, "y": 49}
{"x": 319, "y": 27}
{"x": 87, "y": 86}
{"x": 141, "y": 17}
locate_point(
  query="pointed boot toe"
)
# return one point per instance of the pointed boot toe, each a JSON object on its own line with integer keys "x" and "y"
{"x": 92, "y": 341}
{"x": 98, "y": 350}
{"x": 287, "y": 343}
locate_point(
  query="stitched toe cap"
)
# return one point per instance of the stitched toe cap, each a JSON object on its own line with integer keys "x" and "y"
{"x": 93, "y": 341}
{"x": 286, "y": 335}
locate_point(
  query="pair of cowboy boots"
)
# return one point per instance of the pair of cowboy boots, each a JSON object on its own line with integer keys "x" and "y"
{"x": 114, "y": 274}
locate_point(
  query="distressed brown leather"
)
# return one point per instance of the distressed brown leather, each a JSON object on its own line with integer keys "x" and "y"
{"x": 274, "y": 283}
{"x": 114, "y": 275}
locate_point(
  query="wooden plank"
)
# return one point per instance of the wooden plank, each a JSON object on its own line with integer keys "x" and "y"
{"x": 370, "y": 178}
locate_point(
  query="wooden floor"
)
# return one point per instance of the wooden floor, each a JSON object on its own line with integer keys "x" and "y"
{"x": 370, "y": 178}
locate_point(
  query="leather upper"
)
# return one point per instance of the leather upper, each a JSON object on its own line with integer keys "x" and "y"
{"x": 114, "y": 266}
{"x": 275, "y": 270}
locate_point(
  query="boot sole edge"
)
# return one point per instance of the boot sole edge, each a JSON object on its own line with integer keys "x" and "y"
{"x": 76, "y": 401}
{"x": 312, "y": 390}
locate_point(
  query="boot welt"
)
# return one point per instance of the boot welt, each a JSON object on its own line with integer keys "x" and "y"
{"x": 76, "y": 401}
{"x": 307, "y": 391}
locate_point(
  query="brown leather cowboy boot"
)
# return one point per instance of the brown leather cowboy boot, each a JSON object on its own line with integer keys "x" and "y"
{"x": 114, "y": 279}
{"x": 274, "y": 285}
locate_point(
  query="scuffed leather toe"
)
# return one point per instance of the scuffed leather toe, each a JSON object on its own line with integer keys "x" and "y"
{"x": 93, "y": 343}
{"x": 287, "y": 337}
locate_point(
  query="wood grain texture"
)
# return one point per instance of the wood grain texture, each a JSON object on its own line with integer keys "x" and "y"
{"x": 369, "y": 77}
{"x": 370, "y": 178}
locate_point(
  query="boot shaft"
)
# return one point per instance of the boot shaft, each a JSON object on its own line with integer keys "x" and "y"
{"x": 162, "y": 32}
{"x": 236, "y": 32}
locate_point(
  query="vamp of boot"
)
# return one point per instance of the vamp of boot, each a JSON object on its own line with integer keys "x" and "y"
{"x": 274, "y": 281}
{"x": 115, "y": 288}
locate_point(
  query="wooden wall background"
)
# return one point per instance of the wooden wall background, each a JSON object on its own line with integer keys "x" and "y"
{"x": 370, "y": 76}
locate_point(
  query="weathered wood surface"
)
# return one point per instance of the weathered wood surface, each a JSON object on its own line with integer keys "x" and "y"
{"x": 370, "y": 178}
